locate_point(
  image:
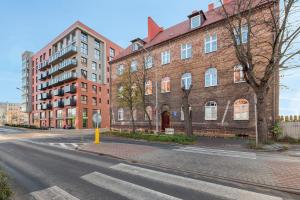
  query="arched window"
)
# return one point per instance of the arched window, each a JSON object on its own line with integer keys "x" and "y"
{"x": 186, "y": 81}
{"x": 182, "y": 112}
{"x": 165, "y": 85}
{"x": 149, "y": 111}
{"x": 120, "y": 114}
{"x": 211, "y": 110}
{"x": 238, "y": 74}
{"x": 241, "y": 109}
{"x": 148, "y": 87}
{"x": 211, "y": 77}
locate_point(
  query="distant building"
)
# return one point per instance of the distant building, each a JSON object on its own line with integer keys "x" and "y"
{"x": 3, "y": 111}
{"x": 12, "y": 113}
{"x": 69, "y": 79}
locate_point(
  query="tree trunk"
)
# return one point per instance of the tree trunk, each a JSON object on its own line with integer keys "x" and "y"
{"x": 132, "y": 121}
{"x": 262, "y": 125}
{"x": 187, "y": 114}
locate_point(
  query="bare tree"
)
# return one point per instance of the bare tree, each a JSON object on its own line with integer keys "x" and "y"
{"x": 263, "y": 37}
{"x": 187, "y": 111}
{"x": 128, "y": 97}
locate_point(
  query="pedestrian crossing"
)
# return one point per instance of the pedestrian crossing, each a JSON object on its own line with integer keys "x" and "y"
{"x": 217, "y": 152}
{"x": 70, "y": 146}
{"x": 134, "y": 191}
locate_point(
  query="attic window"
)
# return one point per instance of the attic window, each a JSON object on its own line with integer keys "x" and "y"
{"x": 135, "y": 46}
{"x": 195, "y": 21}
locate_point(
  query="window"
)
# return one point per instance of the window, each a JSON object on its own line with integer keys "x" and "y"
{"x": 182, "y": 113}
{"x": 149, "y": 112}
{"x": 186, "y": 81}
{"x": 111, "y": 53}
{"x": 241, "y": 109}
{"x": 84, "y": 48}
{"x": 135, "y": 46}
{"x": 165, "y": 57}
{"x": 238, "y": 74}
{"x": 94, "y": 88}
{"x": 94, "y": 77}
{"x": 148, "y": 62}
{"x": 186, "y": 51}
{"x": 59, "y": 114}
{"x": 120, "y": 91}
{"x": 83, "y": 86}
{"x": 120, "y": 114}
{"x": 83, "y": 99}
{"x": 84, "y": 73}
{"x": 94, "y": 65}
{"x": 133, "y": 66}
{"x": 211, "y": 110}
{"x": 195, "y": 21}
{"x": 97, "y": 44}
{"x": 211, "y": 43}
{"x": 120, "y": 70}
{"x": 94, "y": 101}
{"x": 71, "y": 112}
{"x": 148, "y": 87}
{"x": 243, "y": 35}
{"x": 97, "y": 54}
{"x": 165, "y": 85}
{"x": 211, "y": 77}
{"x": 84, "y": 37}
{"x": 85, "y": 118}
{"x": 83, "y": 61}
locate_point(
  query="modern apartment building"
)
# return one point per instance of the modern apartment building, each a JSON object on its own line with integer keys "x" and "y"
{"x": 70, "y": 79}
{"x": 194, "y": 52}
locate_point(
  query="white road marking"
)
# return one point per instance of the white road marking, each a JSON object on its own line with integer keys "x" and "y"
{"x": 218, "y": 152}
{"x": 52, "y": 193}
{"x": 189, "y": 183}
{"x": 126, "y": 189}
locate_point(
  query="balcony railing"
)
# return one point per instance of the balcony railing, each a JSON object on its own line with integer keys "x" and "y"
{"x": 65, "y": 65}
{"x": 58, "y": 92}
{"x": 43, "y": 86}
{"x": 43, "y": 75}
{"x": 63, "y": 78}
{"x": 58, "y": 104}
{"x": 43, "y": 65}
{"x": 70, "y": 89}
{"x": 68, "y": 51}
{"x": 70, "y": 102}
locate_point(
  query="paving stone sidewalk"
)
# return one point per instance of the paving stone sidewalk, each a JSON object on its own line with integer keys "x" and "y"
{"x": 276, "y": 173}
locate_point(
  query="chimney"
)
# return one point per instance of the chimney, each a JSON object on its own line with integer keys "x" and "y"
{"x": 153, "y": 29}
{"x": 226, "y": 1}
{"x": 211, "y": 6}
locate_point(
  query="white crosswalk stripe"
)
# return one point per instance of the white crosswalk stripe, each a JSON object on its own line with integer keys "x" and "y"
{"x": 218, "y": 152}
{"x": 70, "y": 146}
{"x": 126, "y": 189}
{"x": 52, "y": 193}
{"x": 197, "y": 185}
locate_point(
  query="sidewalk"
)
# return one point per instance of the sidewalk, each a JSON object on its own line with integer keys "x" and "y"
{"x": 283, "y": 174}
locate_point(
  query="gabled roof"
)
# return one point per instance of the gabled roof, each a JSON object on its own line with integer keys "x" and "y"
{"x": 182, "y": 28}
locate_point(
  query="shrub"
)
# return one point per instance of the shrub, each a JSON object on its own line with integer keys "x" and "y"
{"x": 5, "y": 191}
{"x": 276, "y": 131}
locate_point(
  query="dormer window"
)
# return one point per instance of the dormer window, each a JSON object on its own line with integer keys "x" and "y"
{"x": 135, "y": 46}
{"x": 195, "y": 21}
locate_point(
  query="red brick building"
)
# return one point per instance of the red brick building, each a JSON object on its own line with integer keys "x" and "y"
{"x": 195, "y": 52}
{"x": 70, "y": 79}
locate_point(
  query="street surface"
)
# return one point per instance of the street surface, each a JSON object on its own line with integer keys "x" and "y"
{"x": 52, "y": 168}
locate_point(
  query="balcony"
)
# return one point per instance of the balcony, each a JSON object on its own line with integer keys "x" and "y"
{"x": 63, "y": 78}
{"x": 49, "y": 105}
{"x": 58, "y": 92}
{"x": 70, "y": 89}
{"x": 44, "y": 106}
{"x": 68, "y": 51}
{"x": 43, "y": 65}
{"x": 70, "y": 102}
{"x": 44, "y": 96}
{"x": 65, "y": 65}
{"x": 43, "y": 86}
{"x": 43, "y": 75}
{"x": 39, "y": 107}
{"x": 58, "y": 104}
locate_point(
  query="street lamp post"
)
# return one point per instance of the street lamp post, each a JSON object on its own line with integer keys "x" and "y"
{"x": 156, "y": 90}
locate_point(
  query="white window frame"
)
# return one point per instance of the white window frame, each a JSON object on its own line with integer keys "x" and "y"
{"x": 133, "y": 66}
{"x": 94, "y": 77}
{"x": 120, "y": 114}
{"x": 186, "y": 79}
{"x": 94, "y": 65}
{"x": 165, "y": 57}
{"x": 164, "y": 82}
{"x": 210, "y": 41}
{"x": 186, "y": 51}
{"x": 135, "y": 46}
{"x": 120, "y": 70}
{"x": 211, "y": 111}
{"x": 148, "y": 84}
{"x": 196, "y": 19}
{"x": 148, "y": 62}
{"x": 242, "y": 107}
{"x": 210, "y": 78}
{"x": 244, "y": 35}
{"x": 239, "y": 69}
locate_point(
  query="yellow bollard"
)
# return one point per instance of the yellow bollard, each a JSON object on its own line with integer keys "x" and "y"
{"x": 97, "y": 136}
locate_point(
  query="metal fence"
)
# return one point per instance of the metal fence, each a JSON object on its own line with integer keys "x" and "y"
{"x": 290, "y": 129}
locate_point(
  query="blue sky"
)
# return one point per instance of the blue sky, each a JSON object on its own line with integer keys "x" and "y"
{"x": 31, "y": 24}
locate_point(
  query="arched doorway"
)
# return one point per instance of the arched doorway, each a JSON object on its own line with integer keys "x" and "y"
{"x": 165, "y": 120}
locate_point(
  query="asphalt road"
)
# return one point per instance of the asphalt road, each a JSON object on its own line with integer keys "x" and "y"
{"x": 11, "y": 130}
{"x": 47, "y": 172}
